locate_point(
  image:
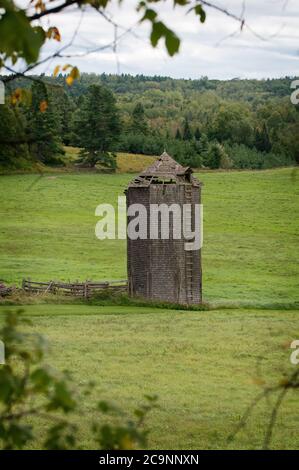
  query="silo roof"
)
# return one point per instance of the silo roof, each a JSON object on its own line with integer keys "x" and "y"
{"x": 165, "y": 170}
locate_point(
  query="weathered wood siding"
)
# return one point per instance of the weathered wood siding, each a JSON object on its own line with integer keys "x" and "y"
{"x": 163, "y": 269}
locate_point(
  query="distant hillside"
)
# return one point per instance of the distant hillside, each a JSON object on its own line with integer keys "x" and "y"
{"x": 236, "y": 89}
{"x": 202, "y": 123}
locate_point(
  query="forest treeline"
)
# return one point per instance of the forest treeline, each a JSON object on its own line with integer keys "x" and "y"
{"x": 202, "y": 123}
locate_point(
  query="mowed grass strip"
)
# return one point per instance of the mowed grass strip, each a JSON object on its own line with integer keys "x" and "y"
{"x": 202, "y": 365}
{"x": 47, "y": 231}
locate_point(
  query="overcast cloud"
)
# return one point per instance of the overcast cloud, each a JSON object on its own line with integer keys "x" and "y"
{"x": 216, "y": 49}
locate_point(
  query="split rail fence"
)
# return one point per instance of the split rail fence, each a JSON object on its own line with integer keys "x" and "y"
{"x": 75, "y": 289}
{"x": 4, "y": 291}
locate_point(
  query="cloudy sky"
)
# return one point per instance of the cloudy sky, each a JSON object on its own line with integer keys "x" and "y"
{"x": 217, "y": 49}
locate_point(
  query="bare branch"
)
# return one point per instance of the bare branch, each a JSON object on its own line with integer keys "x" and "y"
{"x": 283, "y": 387}
{"x": 226, "y": 12}
{"x": 273, "y": 418}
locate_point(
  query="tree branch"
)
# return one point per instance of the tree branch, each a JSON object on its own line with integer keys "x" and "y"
{"x": 224, "y": 11}
{"x": 56, "y": 9}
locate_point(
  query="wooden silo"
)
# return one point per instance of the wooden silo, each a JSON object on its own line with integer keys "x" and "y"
{"x": 162, "y": 269}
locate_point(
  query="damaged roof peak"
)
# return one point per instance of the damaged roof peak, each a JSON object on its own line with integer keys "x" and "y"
{"x": 165, "y": 169}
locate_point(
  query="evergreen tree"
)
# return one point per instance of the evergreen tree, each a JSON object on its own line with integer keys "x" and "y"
{"x": 262, "y": 139}
{"x": 65, "y": 108}
{"x": 44, "y": 127}
{"x": 214, "y": 155}
{"x": 197, "y": 134}
{"x": 97, "y": 127}
{"x": 178, "y": 134}
{"x": 139, "y": 123}
{"x": 187, "y": 134}
{"x": 195, "y": 158}
{"x": 203, "y": 148}
{"x": 13, "y": 147}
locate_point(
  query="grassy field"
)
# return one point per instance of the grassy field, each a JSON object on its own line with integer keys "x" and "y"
{"x": 126, "y": 162}
{"x": 202, "y": 365}
{"x": 250, "y": 232}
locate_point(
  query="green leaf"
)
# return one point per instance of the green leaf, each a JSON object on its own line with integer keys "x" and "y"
{"x": 61, "y": 436}
{"x": 18, "y": 37}
{"x": 41, "y": 379}
{"x": 62, "y": 398}
{"x": 158, "y": 31}
{"x": 150, "y": 15}
{"x": 172, "y": 43}
{"x": 200, "y": 12}
{"x": 7, "y": 385}
{"x": 97, "y": 4}
{"x": 151, "y": 398}
{"x": 106, "y": 407}
{"x": 19, "y": 434}
{"x": 181, "y": 2}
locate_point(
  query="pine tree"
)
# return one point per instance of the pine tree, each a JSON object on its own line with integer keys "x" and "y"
{"x": 197, "y": 134}
{"x": 139, "y": 124}
{"x": 98, "y": 127}
{"x": 44, "y": 127}
{"x": 187, "y": 134}
{"x": 214, "y": 155}
{"x": 262, "y": 139}
{"x": 195, "y": 159}
{"x": 13, "y": 147}
{"x": 203, "y": 148}
{"x": 178, "y": 134}
{"x": 65, "y": 109}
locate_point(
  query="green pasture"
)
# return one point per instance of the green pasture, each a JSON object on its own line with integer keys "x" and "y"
{"x": 47, "y": 231}
{"x": 202, "y": 365}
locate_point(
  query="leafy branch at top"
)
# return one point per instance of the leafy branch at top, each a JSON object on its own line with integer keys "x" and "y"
{"x": 21, "y": 37}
